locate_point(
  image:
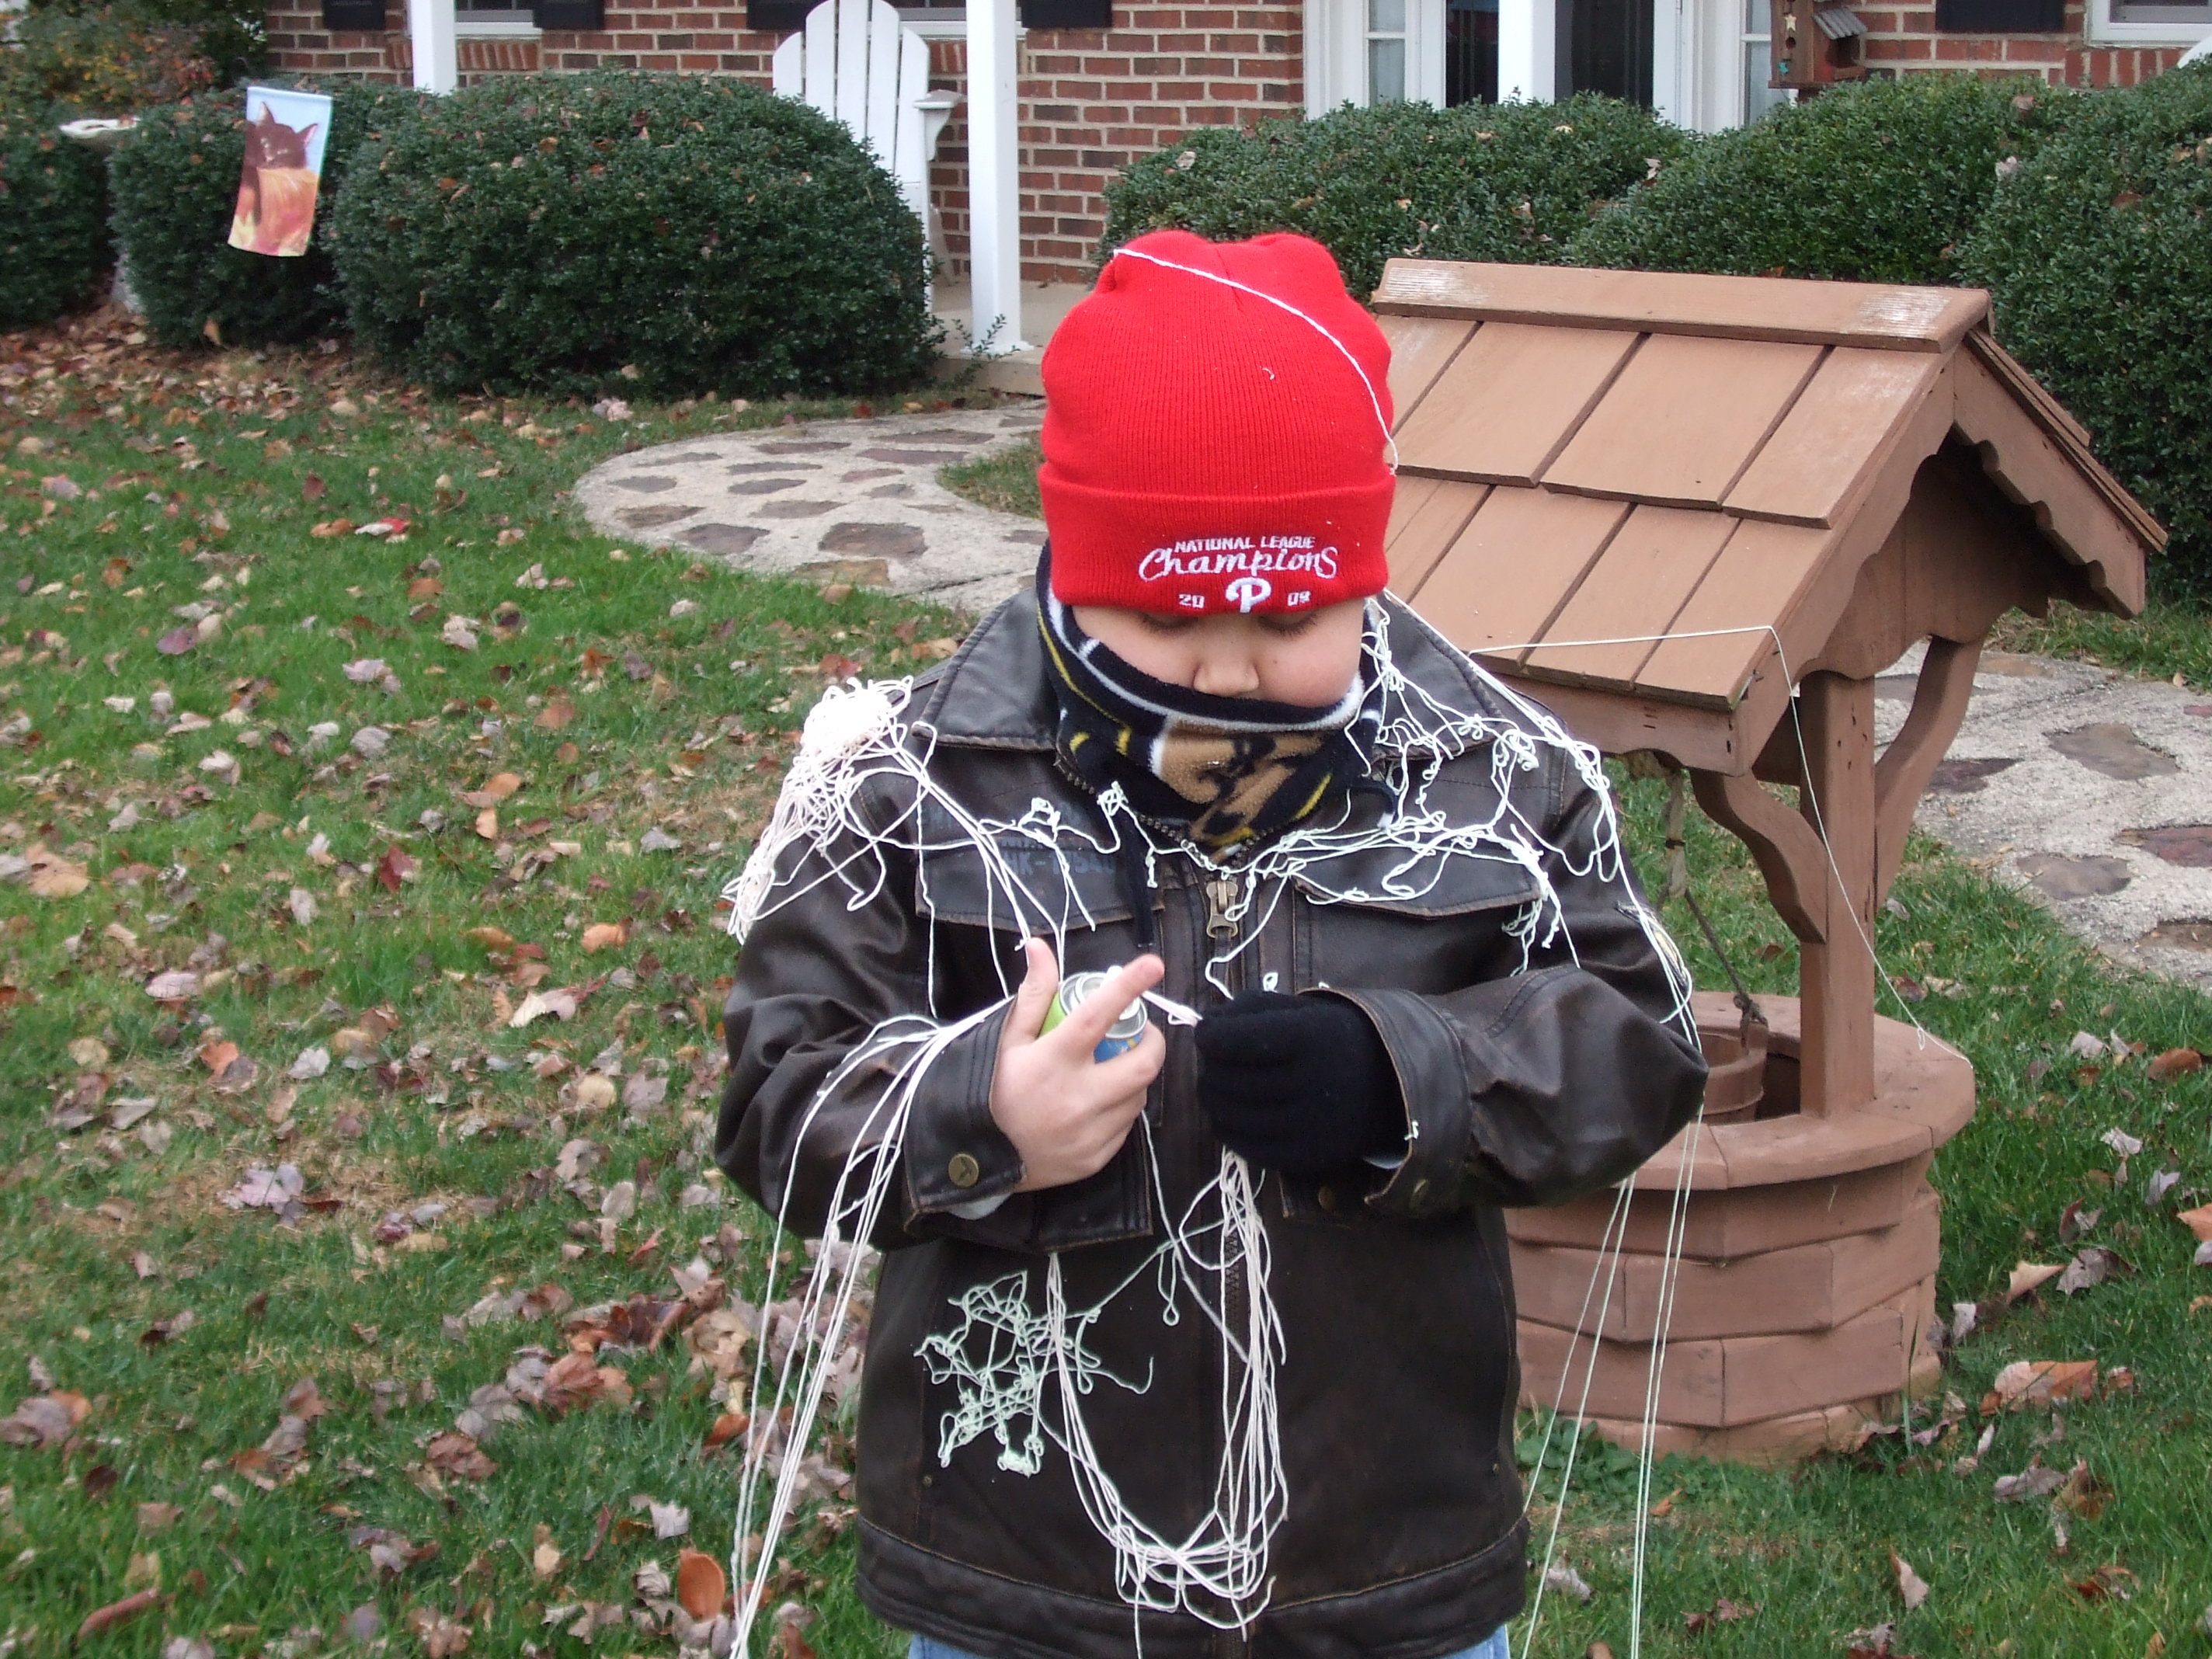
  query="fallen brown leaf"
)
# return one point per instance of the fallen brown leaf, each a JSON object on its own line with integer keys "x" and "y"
{"x": 457, "y": 1454}
{"x": 51, "y": 876}
{"x": 556, "y": 713}
{"x": 304, "y": 1399}
{"x": 2198, "y": 1221}
{"x": 2028, "y": 1275}
{"x": 1723, "y": 1612}
{"x": 788, "y": 1642}
{"x": 2083, "y": 1493}
{"x": 2175, "y": 1062}
{"x": 441, "y": 1637}
{"x": 606, "y": 935}
{"x": 120, "y": 1612}
{"x": 1911, "y": 1586}
{"x": 2039, "y": 1381}
{"x": 2110, "y": 1581}
{"x": 700, "y": 1583}
{"x": 45, "y": 1420}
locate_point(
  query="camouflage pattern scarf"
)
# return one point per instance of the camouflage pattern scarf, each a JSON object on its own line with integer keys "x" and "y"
{"x": 1227, "y": 771}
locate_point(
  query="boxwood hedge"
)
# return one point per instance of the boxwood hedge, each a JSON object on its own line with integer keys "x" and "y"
{"x": 2099, "y": 254}
{"x": 53, "y": 220}
{"x": 684, "y": 232}
{"x": 1877, "y": 182}
{"x": 176, "y": 182}
{"x": 1482, "y": 181}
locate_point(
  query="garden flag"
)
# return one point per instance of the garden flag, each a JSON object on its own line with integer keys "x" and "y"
{"x": 285, "y": 133}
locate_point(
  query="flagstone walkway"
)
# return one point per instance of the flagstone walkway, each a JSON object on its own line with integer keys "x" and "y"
{"x": 2091, "y": 787}
{"x": 849, "y": 501}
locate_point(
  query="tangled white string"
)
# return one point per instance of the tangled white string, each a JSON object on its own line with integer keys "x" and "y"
{"x": 1022, "y": 1371}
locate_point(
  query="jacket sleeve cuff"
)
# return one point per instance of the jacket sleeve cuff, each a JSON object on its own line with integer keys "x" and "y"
{"x": 1432, "y": 1082}
{"x": 957, "y": 1161}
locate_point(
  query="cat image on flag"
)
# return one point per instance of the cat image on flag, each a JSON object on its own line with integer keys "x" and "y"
{"x": 285, "y": 134}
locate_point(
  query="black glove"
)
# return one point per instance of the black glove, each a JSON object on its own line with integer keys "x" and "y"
{"x": 1302, "y": 1085}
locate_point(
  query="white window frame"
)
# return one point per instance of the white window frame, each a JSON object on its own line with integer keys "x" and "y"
{"x": 474, "y": 26}
{"x": 944, "y": 23}
{"x": 2106, "y": 30}
{"x": 1336, "y": 53}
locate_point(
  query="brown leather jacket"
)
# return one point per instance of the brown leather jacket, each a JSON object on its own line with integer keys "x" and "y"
{"x": 1404, "y": 1533}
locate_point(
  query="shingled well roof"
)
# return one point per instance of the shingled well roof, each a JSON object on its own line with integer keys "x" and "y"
{"x": 1605, "y": 456}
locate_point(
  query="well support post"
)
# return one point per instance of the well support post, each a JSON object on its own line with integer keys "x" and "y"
{"x": 1836, "y": 972}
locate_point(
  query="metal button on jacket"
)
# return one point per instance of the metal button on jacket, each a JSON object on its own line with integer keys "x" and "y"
{"x": 964, "y": 1170}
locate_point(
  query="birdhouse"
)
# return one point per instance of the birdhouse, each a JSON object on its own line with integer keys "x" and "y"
{"x": 1815, "y": 44}
{"x": 1696, "y": 516}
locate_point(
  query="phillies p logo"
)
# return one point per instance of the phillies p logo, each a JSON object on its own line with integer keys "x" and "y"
{"x": 1247, "y": 592}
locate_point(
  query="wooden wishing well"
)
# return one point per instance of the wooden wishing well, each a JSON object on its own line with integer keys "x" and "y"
{"x": 1788, "y": 484}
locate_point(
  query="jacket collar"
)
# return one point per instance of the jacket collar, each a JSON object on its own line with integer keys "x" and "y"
{"x": 994, "y": 692}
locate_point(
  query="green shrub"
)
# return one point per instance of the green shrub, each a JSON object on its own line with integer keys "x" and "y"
{"x": 1482, "y": 181}
{"x": 105, "y": 60}
{"x": 232, "y": 34}
{"x": 1877, "y": 182}
{"x": 2099, "y": 253}
{"x": 685, "y": 233}
{"x": 176, "y": 184}
{"x": 53, "y": 220}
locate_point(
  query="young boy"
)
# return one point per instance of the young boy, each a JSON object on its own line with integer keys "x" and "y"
{"x": 1261, "y": 1404}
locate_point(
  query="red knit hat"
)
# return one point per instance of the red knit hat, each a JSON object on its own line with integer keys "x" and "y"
{"x": 1216, "y": 417}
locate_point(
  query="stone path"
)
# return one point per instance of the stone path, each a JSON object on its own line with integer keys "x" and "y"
{"x": 2092, "y": 788}
{"x": 851, "y": 500}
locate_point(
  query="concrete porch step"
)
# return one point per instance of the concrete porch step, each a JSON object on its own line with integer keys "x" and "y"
{"x": 1043, "y": 304}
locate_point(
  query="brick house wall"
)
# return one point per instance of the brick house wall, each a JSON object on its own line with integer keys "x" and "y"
{"x": 1904, "y": 40}
{"x": 1092, "y": 100}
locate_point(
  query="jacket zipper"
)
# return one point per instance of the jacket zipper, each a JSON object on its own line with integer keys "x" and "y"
{"x": 1220, "y": 897}
{"x": 1221, "y": 932}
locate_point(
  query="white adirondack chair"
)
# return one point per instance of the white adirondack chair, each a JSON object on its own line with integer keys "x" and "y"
{"x": 857, "y": 64}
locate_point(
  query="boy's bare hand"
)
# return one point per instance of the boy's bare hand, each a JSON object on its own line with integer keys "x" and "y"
{"x": 1066, "y": 1112}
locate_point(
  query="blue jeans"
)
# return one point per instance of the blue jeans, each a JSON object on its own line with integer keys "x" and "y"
{"x": 1494, "y": 1648}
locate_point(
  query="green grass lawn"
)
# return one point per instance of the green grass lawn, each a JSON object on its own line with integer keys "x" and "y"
{"x": 555, "y": 807}
{"x": 1005, "y": 482}
{"x": 2171, "y": 641}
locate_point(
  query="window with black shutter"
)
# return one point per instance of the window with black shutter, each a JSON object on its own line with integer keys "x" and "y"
{"x": 570, "y": 13}
{"x": 2001, "y": 16}
{"x": 354, "y": 17}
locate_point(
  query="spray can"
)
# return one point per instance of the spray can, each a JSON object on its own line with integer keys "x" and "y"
{"x": 1123, "y": 1035}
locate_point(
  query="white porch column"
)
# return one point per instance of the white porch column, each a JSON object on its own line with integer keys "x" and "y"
{"x": 994, "y": 201}
{"x": 430, "y": 28}
{"x": 1527, "y": 50}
